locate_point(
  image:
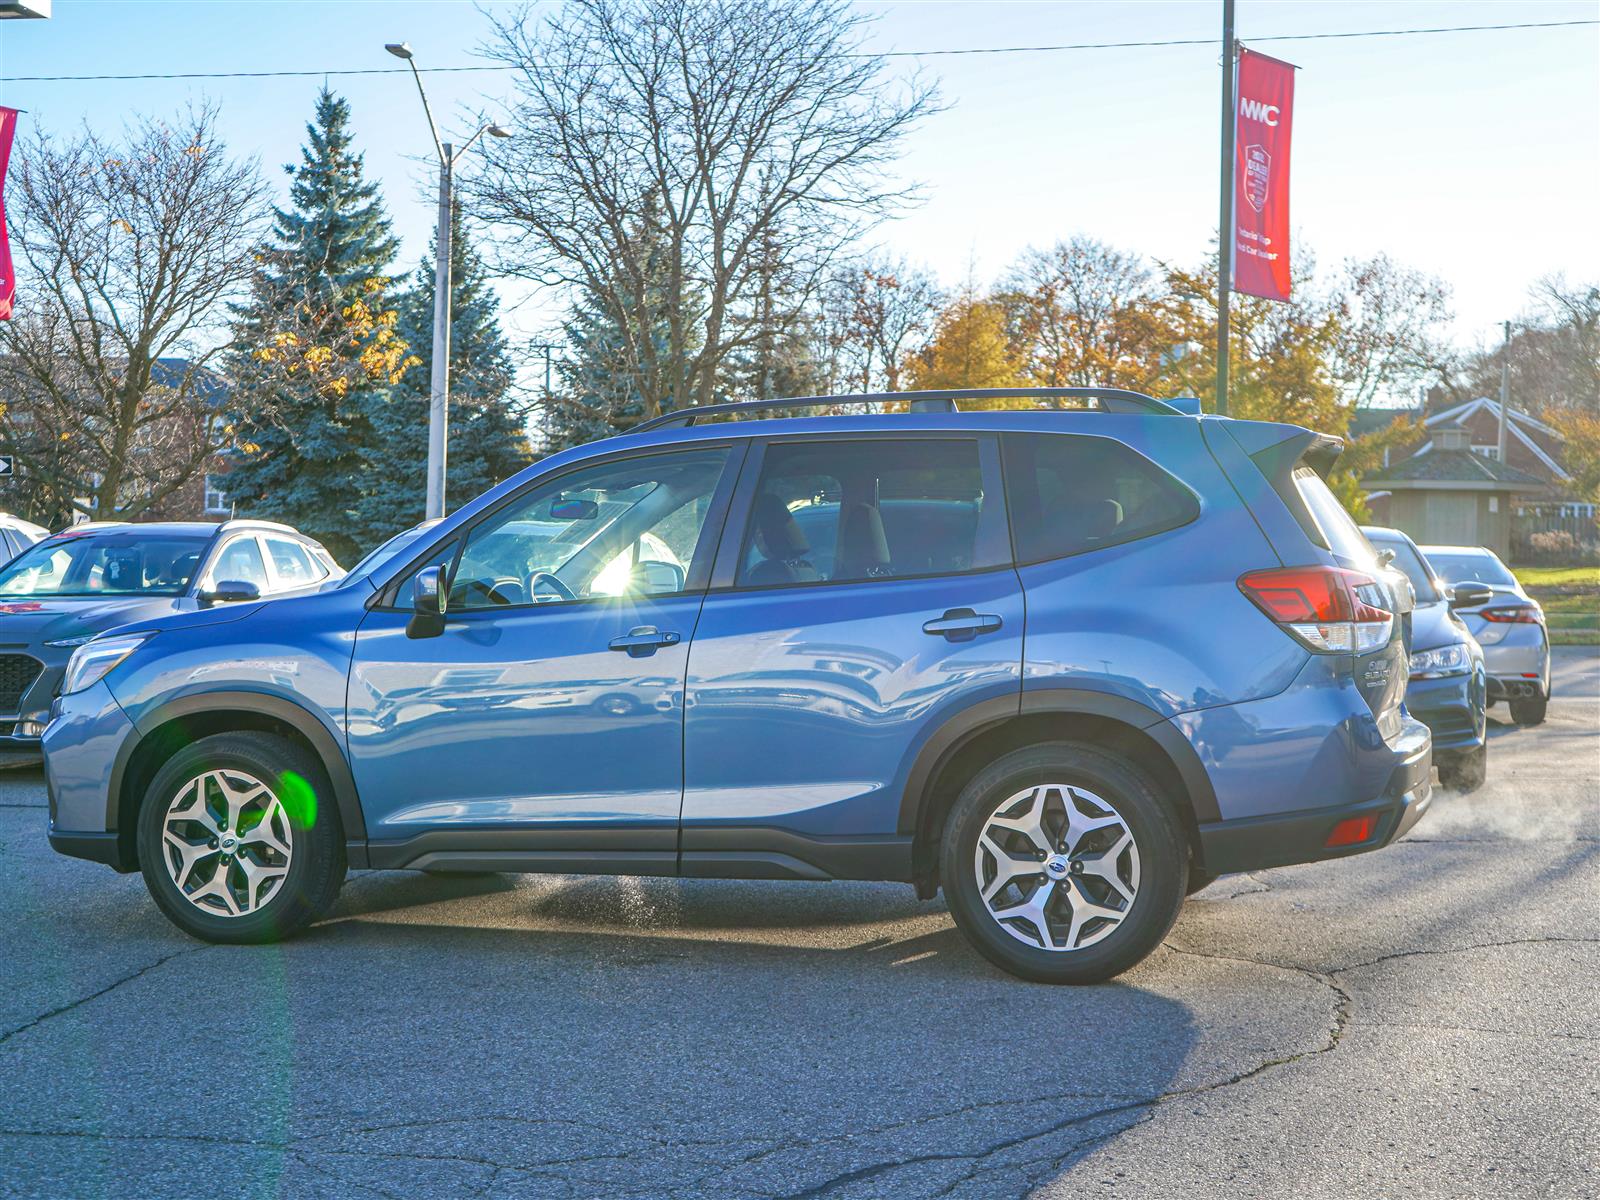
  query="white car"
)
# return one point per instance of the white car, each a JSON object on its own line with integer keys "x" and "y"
{"x": 1509, "y": 626}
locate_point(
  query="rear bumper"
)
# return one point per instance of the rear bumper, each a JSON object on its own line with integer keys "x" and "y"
{"x": 1254, "y": 843}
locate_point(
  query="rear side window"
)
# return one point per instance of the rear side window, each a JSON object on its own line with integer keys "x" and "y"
{"x": 296, "y": 568}
{"x": 831, "y": 511}
{"x": 1068, "y": 494}
{"x": 1338, "y": 529}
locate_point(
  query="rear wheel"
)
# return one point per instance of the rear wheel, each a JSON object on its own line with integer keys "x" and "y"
{"x": 1063, "y": 864}
{"x": 1529, "y": 711}
{"x": 239, "y": 839}
{"x": 1464, "y": 770}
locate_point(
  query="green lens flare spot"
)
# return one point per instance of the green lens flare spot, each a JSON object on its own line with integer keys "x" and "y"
{"x": 299, "y": 800}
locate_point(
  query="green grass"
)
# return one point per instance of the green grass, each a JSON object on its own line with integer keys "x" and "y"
{"x": 1570, "y": 597}
{"x": 1543, "y": 577}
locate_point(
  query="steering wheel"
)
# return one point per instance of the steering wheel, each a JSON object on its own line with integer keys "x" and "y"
{"x": 562, "y": 591}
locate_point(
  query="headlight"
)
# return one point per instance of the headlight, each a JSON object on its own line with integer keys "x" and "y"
{"x": 77, "y": 641}
{"x": 92, "y": 661}
{"x": 1436, "y": 664}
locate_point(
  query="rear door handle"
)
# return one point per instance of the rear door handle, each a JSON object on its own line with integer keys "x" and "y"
{"x": 644, "y": 640}
{"x": 962, "y": 625}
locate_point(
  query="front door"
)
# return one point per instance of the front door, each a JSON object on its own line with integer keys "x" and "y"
{"x": 552, "y": 701}
{"x": 863, "y": 595}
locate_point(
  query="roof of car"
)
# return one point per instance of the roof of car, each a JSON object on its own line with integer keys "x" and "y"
{"x": 1477, "y": 551}
{"x": 198, "y": 528}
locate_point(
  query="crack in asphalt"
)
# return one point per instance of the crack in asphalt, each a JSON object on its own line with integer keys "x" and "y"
{"x": 110, "y": 987}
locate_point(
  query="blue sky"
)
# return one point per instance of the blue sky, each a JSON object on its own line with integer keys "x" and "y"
{"x": 1475, "y": 156}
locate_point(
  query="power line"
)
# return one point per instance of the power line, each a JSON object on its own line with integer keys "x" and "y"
{"x": 1042, "y": 49}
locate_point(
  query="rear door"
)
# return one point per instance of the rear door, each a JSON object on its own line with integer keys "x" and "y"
{"x": 862, "y": 594}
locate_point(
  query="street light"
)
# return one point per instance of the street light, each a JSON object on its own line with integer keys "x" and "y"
{"x": 439, "y": 383}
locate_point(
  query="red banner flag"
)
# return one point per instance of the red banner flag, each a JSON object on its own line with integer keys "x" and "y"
{"x": 1261, "y": 176}
{"x": 8, "y": 282}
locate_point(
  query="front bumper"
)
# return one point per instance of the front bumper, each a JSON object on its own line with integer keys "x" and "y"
{"x": 81, "y": 748}
{"x": 1452, "y": 709}
{"x": 1281, "y": 840}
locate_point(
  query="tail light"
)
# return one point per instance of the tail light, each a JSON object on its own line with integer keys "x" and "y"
{"x": 1326, "y": 609}
{"x": 1512, "y": 614}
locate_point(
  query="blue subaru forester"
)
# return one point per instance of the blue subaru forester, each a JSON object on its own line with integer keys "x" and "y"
{"x": 1068, "y": 654}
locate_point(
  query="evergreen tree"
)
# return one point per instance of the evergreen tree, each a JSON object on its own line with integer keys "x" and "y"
{"x": 487, "y": 440}
{"x": 617, "y": 340}
{"x": 302, "y": 445}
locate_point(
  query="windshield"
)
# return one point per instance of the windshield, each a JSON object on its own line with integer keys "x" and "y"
{"x": 1408, "y": 561}
{"x": 1471, "y": 568}
{"x": 385, "y": 551}
{"x": 124, "y": 562}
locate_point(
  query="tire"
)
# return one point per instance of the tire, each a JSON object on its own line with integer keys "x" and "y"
{"x": 1104, "y": 787}
{"x": 281, "y": 795}
{"x": 1464, "y": 770}
{"x": 1530, "y": 711}
{"x": 1199, "y": 881}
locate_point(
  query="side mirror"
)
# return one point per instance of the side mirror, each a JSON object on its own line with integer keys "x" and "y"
{"x": 1470, "y": 595}
{"x": 656, "y": 578}
{"x": 430, "y": 600}
{"x": 230, "y": 591}
{"x": 1385, "y": 557}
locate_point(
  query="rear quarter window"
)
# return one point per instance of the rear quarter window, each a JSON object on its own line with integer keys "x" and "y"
{"x": 1332, "y": 527}
{"x": 1070, "y": 493}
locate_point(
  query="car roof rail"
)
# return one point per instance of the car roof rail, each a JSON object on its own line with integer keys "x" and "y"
{"x": 253, "y": 523}
{"x": 1116, "y": 400}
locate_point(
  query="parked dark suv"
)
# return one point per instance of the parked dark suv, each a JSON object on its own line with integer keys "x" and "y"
{"x": 1068, "y": 656}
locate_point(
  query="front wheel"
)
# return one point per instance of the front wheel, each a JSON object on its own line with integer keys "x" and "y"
{"x": 1529, "y": 711}
{"x": 1063, "y": 864}
{"x": 1464, "y": 770}
{"x": 239, "y": 839}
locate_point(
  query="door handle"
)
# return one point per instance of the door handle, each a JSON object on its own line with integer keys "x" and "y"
{"x": 644, "y": 640}
{"x": 962, "y": 624}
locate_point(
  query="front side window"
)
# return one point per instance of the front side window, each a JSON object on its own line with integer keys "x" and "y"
{"x": 630, "y": 527}
{"x": 835, "y": 511}
{"x": 1068, "y": 494}
{"x": 241, "y": 562}
{"x": 112, "y": 563}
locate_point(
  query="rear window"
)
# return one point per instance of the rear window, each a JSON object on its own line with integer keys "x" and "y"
{"x": 1334, "y": 527}
{"x": 1069, "y": 493}
{"x": 1471, "y": 568}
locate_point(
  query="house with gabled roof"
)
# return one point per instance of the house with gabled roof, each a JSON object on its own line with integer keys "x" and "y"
{"x": 1451, "y": 486}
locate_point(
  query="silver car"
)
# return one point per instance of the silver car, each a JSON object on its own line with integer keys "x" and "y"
{"x": 88, "y": 579}
{"x": 1509, "y": 626}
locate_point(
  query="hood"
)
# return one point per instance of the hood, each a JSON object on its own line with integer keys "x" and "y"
{"x": 1435, "y": 625}
{"x": 54, "y": 619}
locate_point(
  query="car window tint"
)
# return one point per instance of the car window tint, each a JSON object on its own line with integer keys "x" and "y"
{"x": 294, "y": 564}
{"x": 240, "y": 561}
{"x": 878, "y": 508}
{"x": 628, "y": 527}
{"x": 1068, "y": 494}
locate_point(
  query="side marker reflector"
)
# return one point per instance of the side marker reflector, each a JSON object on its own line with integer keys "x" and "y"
{"x": 1351, "y": 831}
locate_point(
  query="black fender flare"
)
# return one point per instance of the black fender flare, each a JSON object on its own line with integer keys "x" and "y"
{"x": 970, "y": 722}
{"x": 324, "y": 742}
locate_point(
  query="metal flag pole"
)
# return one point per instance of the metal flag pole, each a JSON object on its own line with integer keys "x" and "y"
{"x": 1225, "y": 211}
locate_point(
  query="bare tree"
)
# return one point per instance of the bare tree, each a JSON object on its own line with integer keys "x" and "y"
{"x": 661, "y": 143}
{"x": 874, "y": 314}
{"x": 1392, "y": 323}
{"x": 130, "y": 253}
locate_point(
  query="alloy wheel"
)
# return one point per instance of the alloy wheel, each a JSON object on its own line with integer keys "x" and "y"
{"x": 1057, "y": 867}
{"x": 227, "y": 842}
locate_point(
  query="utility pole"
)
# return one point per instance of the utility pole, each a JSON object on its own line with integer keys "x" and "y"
{"x": 1505, "y": 388}
{"x": 1225, "y": 208}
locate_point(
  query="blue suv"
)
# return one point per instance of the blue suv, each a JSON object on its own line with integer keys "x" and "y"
{"x": 1068, "y": 654}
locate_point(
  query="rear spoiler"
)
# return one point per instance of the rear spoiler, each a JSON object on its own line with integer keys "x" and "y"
{"x": 1277, "y": 451}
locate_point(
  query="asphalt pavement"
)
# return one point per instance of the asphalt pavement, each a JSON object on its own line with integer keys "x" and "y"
{"x": 1423, "y": 1021}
